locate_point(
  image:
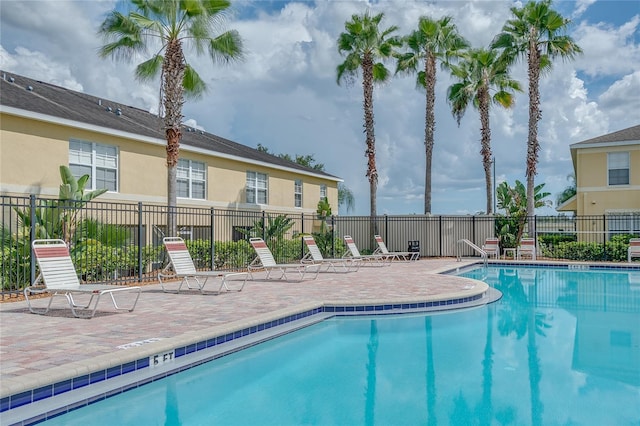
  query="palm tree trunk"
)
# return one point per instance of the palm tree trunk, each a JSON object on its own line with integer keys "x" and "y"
{"x": 533, "y": 147}
{"x": 430, "y": 124}
{"x": 172, "y": 75}
{"x": 485, "y": 150}
{"x": 370, "y": 152}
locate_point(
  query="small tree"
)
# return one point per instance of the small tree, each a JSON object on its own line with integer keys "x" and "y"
{"x": 58, "y": 218}
{"x": 513, "y": 201}
{"x": 569, "y": 191}
{"x": 324, "y": 237}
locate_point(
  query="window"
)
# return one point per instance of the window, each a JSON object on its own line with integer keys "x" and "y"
{"x": 192, "y": 177}
{"x": 618, "y": 167}
{"x": 323, "y": 191}
{"x": 98, "y": 161}
{"x": 240, "y": 233}
{"x": 297, "y": 193}
{"x": 257, "y": 187}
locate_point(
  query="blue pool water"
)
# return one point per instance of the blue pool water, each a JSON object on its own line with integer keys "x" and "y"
{"x": 561, "y": 347}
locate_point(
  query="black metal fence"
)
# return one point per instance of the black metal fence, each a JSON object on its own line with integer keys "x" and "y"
{"x": 120, "y": 243}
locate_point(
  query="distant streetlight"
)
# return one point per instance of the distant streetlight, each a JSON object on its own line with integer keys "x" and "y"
{"x": 493, "y": 162}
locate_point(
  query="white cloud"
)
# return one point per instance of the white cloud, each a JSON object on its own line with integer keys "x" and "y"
{"x": 581, "y": 7}
{"x": 608, "y": 49}
{"x": 622, "y": 98}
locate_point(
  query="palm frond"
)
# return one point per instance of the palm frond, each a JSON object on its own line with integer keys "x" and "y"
{"x": 150, "y": 69}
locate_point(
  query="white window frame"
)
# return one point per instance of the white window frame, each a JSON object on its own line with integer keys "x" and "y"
{"x": 192, "y": 178}
{"x": 297, "y": 193}
{"x": 323, "y": 191}
{"x": 94, "y": 157}
{"x": 617, "y": 161}
{"x": 257, "y": 184}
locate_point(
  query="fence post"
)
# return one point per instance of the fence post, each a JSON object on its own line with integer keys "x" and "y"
{"x": 302, "y": 232}
{"x": 212, "y": 238}
{"x": 264, "y": 225}
{"x": 440, "y": 235}
{"x": 32, "y": 236}
{"x": 473, "y": 230}
{"x": 386, "y": 227}
{"x": 140, "y": 237}
{"x": 333, "y": 236}
{"x": 604, "y": 237}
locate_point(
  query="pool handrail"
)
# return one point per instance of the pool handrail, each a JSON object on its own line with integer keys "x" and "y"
{"x": 482, "y": 253}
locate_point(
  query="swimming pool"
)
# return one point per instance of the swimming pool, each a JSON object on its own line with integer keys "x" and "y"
{"x": 561, "y": 346}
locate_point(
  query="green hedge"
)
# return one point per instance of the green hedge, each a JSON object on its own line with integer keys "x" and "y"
{"x": 613, "y": 251}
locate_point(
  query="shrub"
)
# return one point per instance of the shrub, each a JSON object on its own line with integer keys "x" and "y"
{"x": 16, "y": 267}
{"x": 233, "y": 254}
{"x": 614, "y": 250}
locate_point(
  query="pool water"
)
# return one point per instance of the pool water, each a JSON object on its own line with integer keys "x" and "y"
{"x": 560, "y": 347}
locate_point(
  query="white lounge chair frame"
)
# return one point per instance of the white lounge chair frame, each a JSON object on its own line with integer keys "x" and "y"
{"x": 265, "y": 261}
{"x": 353, "y": 253}
{"x": 181, "y": 263}
{"x": 527, "y": 247}
{"x": 315, "y": 256}
{"x": 58, "y": 277}
{"x": 407, "y": 256}
{"x": 491, "y": 246}
{"x": 634, "y": 249}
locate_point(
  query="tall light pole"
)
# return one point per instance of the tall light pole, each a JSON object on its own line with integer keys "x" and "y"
{"x": 493, "y": 162}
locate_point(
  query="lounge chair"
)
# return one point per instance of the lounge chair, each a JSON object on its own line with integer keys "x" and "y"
{"x": 527, "y": 247}
{"x": 353, "y": 253}
{"x": 314, "y": 256}
{"x": 266, "y": 261}
{"x": 407, "y": 256}
{"x": 491, "y": 246}
{"x": 58, "y": 276}
{"x": 183, "y": 267}
{"x": 634, "y": 249}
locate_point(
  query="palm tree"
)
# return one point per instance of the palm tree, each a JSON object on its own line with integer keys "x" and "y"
{"x": 433, "y": 41}
{"x": 366, "y": 48}
{"x": 480, "y": 73}
{"x": 569, "y": 192}
{"x": 345, "y": 197}
{"x": 514, "y": 203}
{"x": 166, "y": 26}
{"x": 537, "y": 33}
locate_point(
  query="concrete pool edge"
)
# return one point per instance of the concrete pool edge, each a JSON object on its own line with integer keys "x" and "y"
{"x": 36, "y": 395}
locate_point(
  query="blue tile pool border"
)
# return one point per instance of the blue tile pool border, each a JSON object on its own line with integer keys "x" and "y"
{"x": 31, "y": 396}
{"x": 539, "y": 264}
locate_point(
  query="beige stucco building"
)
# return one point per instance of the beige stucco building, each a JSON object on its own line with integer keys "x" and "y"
{"x": 607, "y": 171}
{"x": 122, "y": 148}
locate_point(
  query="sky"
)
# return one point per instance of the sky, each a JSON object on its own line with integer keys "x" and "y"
{"x": 284, "y": 94}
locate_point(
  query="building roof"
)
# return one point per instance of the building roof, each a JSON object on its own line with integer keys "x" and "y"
{"x": 40, "y": 99}
{"x": 632, "y": 134}
{"x": 629, "y": 136}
